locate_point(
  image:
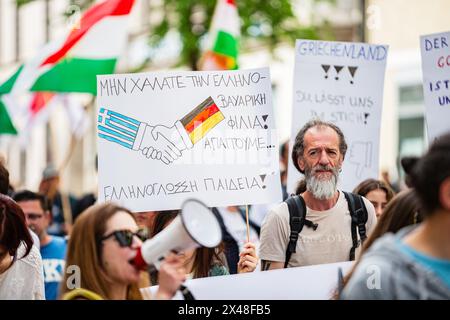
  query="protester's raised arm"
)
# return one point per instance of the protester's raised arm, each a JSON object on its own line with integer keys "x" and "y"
{"x": 248, "y": 260}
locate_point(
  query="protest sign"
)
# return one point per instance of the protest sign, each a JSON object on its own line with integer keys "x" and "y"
{"x": 436, "y": 77}
{"x": 168, "y": 136}
{"x": 317, "y": 282}
{"x": 341, "y": 82}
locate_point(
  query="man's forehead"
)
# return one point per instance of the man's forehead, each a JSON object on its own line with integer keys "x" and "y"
{"x": 321, "y": 135}
{"x": 30, "y": 204}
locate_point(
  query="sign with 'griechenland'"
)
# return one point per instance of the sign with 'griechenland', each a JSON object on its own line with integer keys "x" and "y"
{"x": 341, "y": 82}
{"x": 436, "y": 82}
{"x": 164, "y": 137}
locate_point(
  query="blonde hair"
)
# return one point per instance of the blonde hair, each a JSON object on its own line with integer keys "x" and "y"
{"x": 84, "y": 250}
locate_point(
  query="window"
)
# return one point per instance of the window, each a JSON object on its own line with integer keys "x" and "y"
{"x": 411, "y": 126}
{"x": 411, "y": 94}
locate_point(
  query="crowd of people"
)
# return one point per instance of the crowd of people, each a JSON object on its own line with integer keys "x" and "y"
{"x": 58, "y": 248}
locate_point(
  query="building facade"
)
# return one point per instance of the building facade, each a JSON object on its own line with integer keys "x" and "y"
{"x": 396, "y": 23}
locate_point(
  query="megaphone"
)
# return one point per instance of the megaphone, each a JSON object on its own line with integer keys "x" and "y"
{"x": 195, "y": 226}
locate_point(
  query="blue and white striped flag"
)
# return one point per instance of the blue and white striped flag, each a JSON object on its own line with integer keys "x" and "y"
{"x": 117, "y": 128}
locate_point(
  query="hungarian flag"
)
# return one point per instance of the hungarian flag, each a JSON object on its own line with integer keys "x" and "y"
{"x": 72, "y": 64}
{"x": 6, "y": 126}
{"x": 223, "y": 46}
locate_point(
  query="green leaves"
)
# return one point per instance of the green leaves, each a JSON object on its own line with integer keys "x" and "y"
{"x": 265, "y": 23}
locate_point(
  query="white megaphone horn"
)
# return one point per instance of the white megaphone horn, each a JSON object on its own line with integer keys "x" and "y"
{"x": 195, "y": 226}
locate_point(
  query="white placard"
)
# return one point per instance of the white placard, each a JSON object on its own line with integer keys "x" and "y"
{"x": 316, "y": 282}
{"x": 436, "y": 82}
{"x": 220, "y": 122}
{"x": 341, "y": 82}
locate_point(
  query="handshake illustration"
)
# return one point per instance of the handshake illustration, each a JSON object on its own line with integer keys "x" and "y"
{"x": 159, "y": 142}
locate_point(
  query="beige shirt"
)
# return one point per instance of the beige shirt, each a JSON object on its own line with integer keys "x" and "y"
{"x": 330, "y": 242}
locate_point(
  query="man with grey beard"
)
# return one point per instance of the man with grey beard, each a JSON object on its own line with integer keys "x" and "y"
{"x": 318, "y": 153}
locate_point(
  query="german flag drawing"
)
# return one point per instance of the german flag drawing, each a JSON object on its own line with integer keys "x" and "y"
{"x": 203, "y": 118}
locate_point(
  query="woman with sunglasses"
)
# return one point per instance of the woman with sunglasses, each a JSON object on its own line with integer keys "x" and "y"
{"x": 101, "y": 249}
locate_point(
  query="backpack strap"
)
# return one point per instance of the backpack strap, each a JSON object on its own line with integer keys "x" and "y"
{"x": 359, "y": 216}
{"x": 297, "y": 219}
{"x": 297, "y": 213}
{"x": 187, "y": 294}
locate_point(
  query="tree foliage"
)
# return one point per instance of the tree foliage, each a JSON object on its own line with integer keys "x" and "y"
{"x": 263, "y": 23}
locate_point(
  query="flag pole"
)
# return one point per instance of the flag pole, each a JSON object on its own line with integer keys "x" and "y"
{"x": 74, "y": 140}
{"x": 248, "y": 225}
{"x": 67, "y": 209}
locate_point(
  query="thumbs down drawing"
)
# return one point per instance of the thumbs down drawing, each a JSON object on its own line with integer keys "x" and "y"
{"x": 361, "y": 156}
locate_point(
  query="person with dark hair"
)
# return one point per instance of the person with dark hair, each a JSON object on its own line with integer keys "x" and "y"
{"x": 204, "y": 262}
{"x": 377, "y": 192}
{"x": 415, "y": 262}
{"x": 6, "y": 189}
{"x": 328, "y": 233}
{"x": 20, "y": 261}
{"x": 4, "y": 180}
{"x": 403, "y": 210}
{"x": 53, "y": 248}
{"x": 407, "y": 164}
{"x": 87, "y": 200}
{"x": 5, "y": 185}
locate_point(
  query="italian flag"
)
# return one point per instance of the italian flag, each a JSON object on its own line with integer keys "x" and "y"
{"x": 72, "y": 64}
{"x": 224, "y": 36}
{"x": 6, "y": 125}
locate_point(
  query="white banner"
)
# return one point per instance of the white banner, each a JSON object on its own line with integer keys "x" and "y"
{"x": 436, "y": 82}
{"x": 341, "y": 82}
{"x": 168, "y": 136}
{"x": 317, "y": 282}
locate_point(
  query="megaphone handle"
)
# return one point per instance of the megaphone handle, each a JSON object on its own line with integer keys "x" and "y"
{"x": 187, "y": 294}
{"x": 157, "y": 264}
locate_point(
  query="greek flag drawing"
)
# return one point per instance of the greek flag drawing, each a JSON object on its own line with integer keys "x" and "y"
{"x": 120, "y": 129}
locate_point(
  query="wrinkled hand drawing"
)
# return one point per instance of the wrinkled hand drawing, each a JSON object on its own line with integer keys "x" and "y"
{"x": 159, "y": 142}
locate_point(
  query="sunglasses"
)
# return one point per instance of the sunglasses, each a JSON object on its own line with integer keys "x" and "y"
{"x": 123, "y": 237}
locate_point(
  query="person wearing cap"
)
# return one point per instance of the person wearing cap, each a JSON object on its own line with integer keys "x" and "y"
{"x": 63, "y": 205}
